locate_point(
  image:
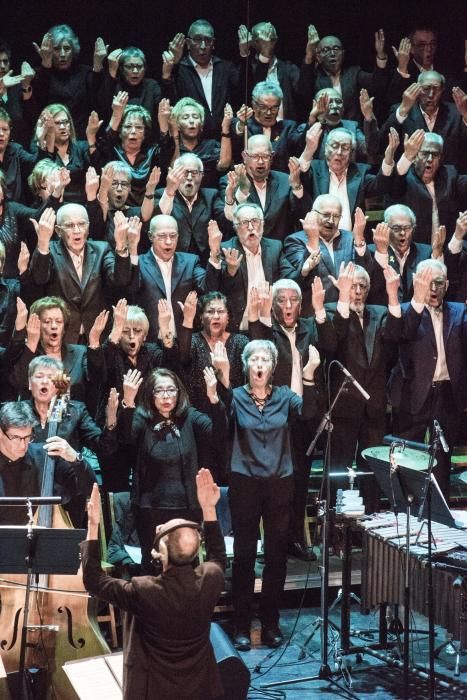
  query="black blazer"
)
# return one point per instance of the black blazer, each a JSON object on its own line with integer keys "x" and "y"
{"x": 377, "y": 293}
{"x": 287, "y": 76}
{"x": 86, "y": 299}
{"x": 366, "y": 353}
{"x": 193, "y": 225}
{"x": 411, "y": 378}
{"x": 275, "y": 265}
{"x": 344, "y": 251}
{"x": 287, "y": 139}
{"x": 282, "y": 210}
{"x": 187, "y": 275}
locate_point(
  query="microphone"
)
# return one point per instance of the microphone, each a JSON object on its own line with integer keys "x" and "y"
{"x": 398, "y": 441}
{"x": 358, "y": 386}
{"x": 440, "y": 434}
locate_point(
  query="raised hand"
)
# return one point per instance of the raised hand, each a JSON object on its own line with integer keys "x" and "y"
{"x": 168, "y": 63}
{"x": 421, "y": 284}
{"x": 27, "y": 74}
{"x": 134, "y": 234}
{"x": 132, "y": 381}
{"x": 113, "y": 61}
{"x": 460, "y": 100}
{"x": 438, "y": 239}
{"x": 393, "y": 145}
{"x": 379, "y": 45}
{"x": 227, "y": 120}
{"x": 319, "y": 109}
{"x": 33, "y": 332}
{"x": 317, "y": 295}
{"x": 366, "y": 105}
{"x": 21, "y": 315}
{"x": 314, "y": 361}
{"x": 23, "y": 258}
{"x": 214, "y": 238}
{"x": 208, "y": 493}
{"x": 9, "y": 80}
{"x": 243, "y": 181}
{"x": 392, "y": 285}
{"x": 233, "y": 258}
{"x": 294, "y": 172}
{"x": 92, "y": 184}
{"x": 107, "y": 177}
{"x": 254, "y": 305}
{"x": 94, "y": 124}
{"x": 111, "y": 409}
{"x": 120, "y": 311}
{"x": 244, "y": 40}
{"x": 311, "y": 44}
{"x": 164, "y": 316}
{"x": 312, "y": 140}
{"x": 98, "y": 328}
{"x": 121, "y": 226}
{"x": 45, "y": 50}
{"x": 381, "y": 237}
{"x": 409, "y": 98}
{"x": 413, "y": 143}
{"x": 244, "y": 113}
{"x": 344, "y": 281}
{"x": 221, "y": 363}
{"x": 189, "y": 309}
{"x": 461, "y": 225}
{"x": 164, "y": 111}
{"x": 358, "y": 230}
{"x": 232, "y": 184}
{"x": 402, "y": 54}
{"x": 176, "y": 46}
{"x": 311, "y": 228}
{"x": 93, "y": 508}
{"x": 175, "y": 177}
{"x": 211, "y": 384}
{"x": 44, "y": 229}
{"x": 119, "y": 103}
{"x": 100, "y": 52}
{"x": 153, "y": 181}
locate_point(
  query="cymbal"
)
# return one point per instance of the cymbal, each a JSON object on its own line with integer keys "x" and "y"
{"x": 410, "y": 458}
{"x": 345, "y": 475}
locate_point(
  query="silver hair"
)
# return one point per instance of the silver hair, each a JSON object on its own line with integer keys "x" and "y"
{"x": 285, "y": 284}
{"x": 189, "y": 156}
{"x": 434, "y": 265}
{"x": 267, "y": 87}
{"x": 258, "y": 346}
{"x": 399, "y": 209}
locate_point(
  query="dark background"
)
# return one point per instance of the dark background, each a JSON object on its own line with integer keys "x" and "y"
{"x": 151, "y": 24}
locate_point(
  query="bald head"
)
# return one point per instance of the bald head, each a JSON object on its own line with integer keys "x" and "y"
{"x": 258, "y": 157}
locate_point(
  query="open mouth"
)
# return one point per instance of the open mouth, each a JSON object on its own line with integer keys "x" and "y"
{"x": 44, "y": 390}
{"x": 259, "y": 373}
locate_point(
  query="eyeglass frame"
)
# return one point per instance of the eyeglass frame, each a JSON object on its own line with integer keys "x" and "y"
{"x": 17, "y": 439}
{"x": 165, "y": 393}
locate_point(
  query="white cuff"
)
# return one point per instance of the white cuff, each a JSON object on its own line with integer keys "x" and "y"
{"x": 343, "y": 307}
{"x": 166, "y": 203}
{"x": 320, "y": 316}
{"x": 403, "y": 165}
{"x": 387, "y": 169}
{"x": 455, "y": 245}
{"x": 266, "y": 321}
{"x": 417, "y": 306}
{"x": 400, "y": 119}
{"x": 395, "y": 310}
{"x": 382, "y": 259}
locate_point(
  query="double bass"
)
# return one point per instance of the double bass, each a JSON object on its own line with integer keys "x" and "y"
{"x": 62, "y": 617}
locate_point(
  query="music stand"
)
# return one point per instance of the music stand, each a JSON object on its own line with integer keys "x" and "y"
{"x": 35, "y": 550}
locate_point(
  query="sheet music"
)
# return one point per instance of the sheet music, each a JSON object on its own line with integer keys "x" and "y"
{"x": 92, "y": 678}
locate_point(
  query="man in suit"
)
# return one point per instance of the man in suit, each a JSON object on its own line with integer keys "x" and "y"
{"x": 321, "y": 248}
{"x": 265, "y": 66}
{"x": 164, "y": 273}
{"x": 455, "y": 257}
{"x": 292, "y": 335}
{"x": 76, "y": 268}
{"x": 366, "y": 337}
{"x": 286, "y": 136}
{"x": 434, "y": 191}
{"x": 429, "y": 382}
{"x": 192, "y": 206}
{"x": 209, "y": 80}
{"x": 393, "y": 246}
{"x": 282, "y": 198}
{"x": 323, "y": 68}
{"x": 167, "y": 652}
{"x": 339, "y": 175}
{"x": 422, "y": 107}
{"x": 250, "y": 260}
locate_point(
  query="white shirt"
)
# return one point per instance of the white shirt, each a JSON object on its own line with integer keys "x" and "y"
{"x": 338, "y": 187}
{"x": 165, "y": 267}
{"x": 255, "y": 272}
{"x": 205, "y": 75}
{"x": 441, "y": 369}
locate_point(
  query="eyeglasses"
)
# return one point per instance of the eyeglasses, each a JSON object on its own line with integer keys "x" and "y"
{"x": 400, "y": 229}
{"x": 326, "y": 50}
{"x": 427, "y": 154}
{"x": 344, "y": 147}
{"x": 198, "y": 40}
{"x": 138, "y": 67}
{"x": 136, "y": 127}
{"x": 426, "y": 45}
{"x": 62, "y": 122}
{"x": 429, "y": 88}
{"x": 359, "y": 285}
{"x": 245, "y": 223}
{"x": 327, "y": 215}
{"x": 166, "y": 236}
{"x": 259, "y": 156}
{"x": 265, "y": 108}
{"x": 122, "y": 184}
{"x": 437, "y": 283}
{"x": 72, "y": 225}
{"x": 213, "y": 312}
{"x": 193, "y": 173}
{"x": 283, "y": 300}
{"x": 165, "y": 393}
{"x": 20, "y": 439}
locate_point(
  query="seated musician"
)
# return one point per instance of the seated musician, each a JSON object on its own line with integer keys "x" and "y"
{"x": 22, "y": 463}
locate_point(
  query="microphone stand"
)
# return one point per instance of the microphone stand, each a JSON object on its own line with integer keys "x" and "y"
{"x": 325, "y": 672}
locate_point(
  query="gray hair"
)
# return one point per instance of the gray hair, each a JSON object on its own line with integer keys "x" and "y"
{"x": 159, "y": 219}
{"x": 258, "y": 346}
{"x": 17, "y": 414}
{"x": 434, "y": 138}
{"x": 399, "y": 210}
{"x": 267, "y": 87}
{"x": 119, "y": 167}
{"x": 359, "y": 271}
{"x": 44, "y": 361}
{"x": 428, "y": 74}
{"x": 434, "y": 264}
{"x": 285, "y": 284}
{"x": 244, "y": 205}
{"x": 63, "y": 32}
{"x": 66, "y": 208}
{"x": 137, "y": 316}
{"x": 181, "y": 160}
